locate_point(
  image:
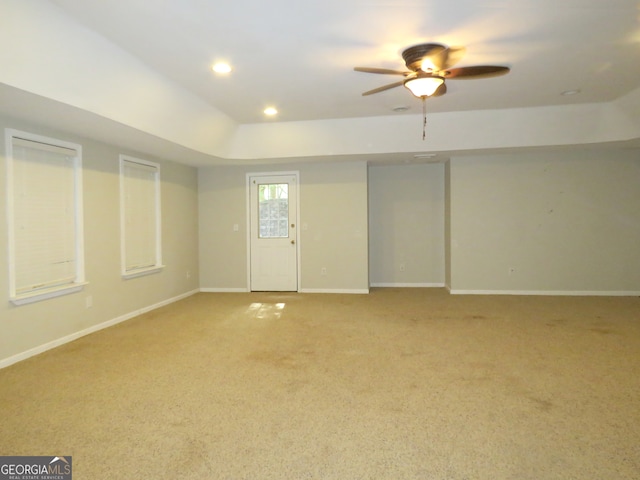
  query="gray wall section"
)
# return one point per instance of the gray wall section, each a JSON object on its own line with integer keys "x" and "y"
{"x": 564, "y": 222}
{"x": 222, "y": 201}
{"x": 30, "y": 326}
{"x": 333, "y": 226}
{"x": 532, "y": 223}
{"x": 447, "y": 224}
{"x": 406, "y": 225}
{"x": 333, "y": 202}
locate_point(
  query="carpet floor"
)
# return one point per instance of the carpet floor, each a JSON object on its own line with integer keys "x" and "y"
{"x": 397, "y": 384}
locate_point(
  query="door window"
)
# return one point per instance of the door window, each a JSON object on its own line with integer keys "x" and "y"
{"x": 273, "y": 210}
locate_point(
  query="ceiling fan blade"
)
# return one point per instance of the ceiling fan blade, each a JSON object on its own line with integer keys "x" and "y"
{"x": 383, "y": 88}
{"x": 384, "y": 71}
{"x": 479, "y": 71}
{"x": 446, "y": 58}
{"x": 441, "y": 90}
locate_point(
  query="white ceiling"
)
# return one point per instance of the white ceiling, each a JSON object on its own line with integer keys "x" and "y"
{"x": 137, "y": 74}
{"x": 299, "y": 55}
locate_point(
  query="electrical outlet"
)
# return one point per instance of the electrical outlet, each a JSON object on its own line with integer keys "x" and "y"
{"x": 88, "y": 301}
{"x": 402, "y": 267}
{"x": 323, "y": 271}
{"x": 188, "y": 274}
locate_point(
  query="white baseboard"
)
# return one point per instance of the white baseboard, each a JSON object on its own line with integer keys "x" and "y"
{"x": 408, "y": 285}
{"x": 224, "y": 290}
{"x": 568, "y": 293}
{"x": 74, "y": 336}
{"x": 334, "y": 290}
{"x": 302, "y": 290}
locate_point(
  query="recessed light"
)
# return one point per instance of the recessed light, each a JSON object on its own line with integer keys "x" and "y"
{"x": 271, "y": 111}
{"x": 400, "y": 108}
{"x": 568, "y": 93}
{"x": 221, "y": 67}
{"x": 424, "y": 155}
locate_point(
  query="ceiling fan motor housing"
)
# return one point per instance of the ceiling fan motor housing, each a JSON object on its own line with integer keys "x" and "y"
{"x": 413, "y": 56}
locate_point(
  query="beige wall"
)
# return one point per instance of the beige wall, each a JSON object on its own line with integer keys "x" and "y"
{"x": 333, "y": 202}
{"x": 222, "y": 204}
{"x": 447, "y": 224}
{"x": 29, "y": 327}
{"x": 561, "y": 223}
{"x": 406, "y": 225}
{"x": 333, "y": 226}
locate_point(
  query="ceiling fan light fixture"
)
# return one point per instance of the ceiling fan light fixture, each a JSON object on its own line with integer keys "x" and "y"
{"x": 221, "y": 67}
{"x": 423, "y": 86}
{"x": 427, "y": 65}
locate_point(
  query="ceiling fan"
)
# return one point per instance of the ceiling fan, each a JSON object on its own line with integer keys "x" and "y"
{"x": 429, "y": 66}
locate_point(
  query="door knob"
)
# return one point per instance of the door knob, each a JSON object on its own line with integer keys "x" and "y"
{"x": 293, "y": 242}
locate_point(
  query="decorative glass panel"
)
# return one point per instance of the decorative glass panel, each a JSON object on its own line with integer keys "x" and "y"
{"x": 273, "y": 200}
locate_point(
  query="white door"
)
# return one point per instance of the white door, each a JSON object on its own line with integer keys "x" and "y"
{"x": 273, "y": 233}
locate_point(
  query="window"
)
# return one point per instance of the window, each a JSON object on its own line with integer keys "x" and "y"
{"x": 140, "y": 216}
{"x": 44, "y": 199}
{"x": 273, "y": 201}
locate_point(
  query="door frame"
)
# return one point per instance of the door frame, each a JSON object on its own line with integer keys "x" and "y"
{"x": 249, "y": 175}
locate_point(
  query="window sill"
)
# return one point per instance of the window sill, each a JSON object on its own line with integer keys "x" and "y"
{"x": 142, "y": 271}
{"x": 44, "y": 294}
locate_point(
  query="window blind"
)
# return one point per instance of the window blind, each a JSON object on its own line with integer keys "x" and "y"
{"x": 45, "y": 224}
{"x": 140, "y": 218}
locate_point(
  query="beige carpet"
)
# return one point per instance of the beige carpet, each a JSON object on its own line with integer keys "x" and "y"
{"x": 398, "y": 384}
